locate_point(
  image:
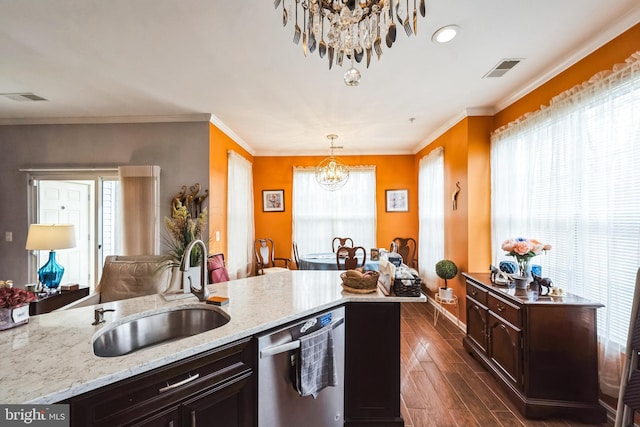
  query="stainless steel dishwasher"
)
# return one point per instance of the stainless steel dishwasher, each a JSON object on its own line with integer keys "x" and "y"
{"x": 279, "y": 404}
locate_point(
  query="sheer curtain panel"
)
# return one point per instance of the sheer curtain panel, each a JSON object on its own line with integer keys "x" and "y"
{"x": 240, "y": 224}
{"x": 320, "y": 215}
{"x": 568, "y": 175}
{"x": 140, "y": 193}
{"x": 431, "y": 216}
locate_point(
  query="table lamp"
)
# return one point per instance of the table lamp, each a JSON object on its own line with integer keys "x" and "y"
{"x": 51, "y": 237}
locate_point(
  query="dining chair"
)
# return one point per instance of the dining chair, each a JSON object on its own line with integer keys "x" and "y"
{"x": 407, "y": 248}
{"x": 264, "y": 251}
{"x": 342, "y": 241}
{"x": 296, "y": 257}
{"x": 216, "y": 268}
{"x": 350, "y": 257}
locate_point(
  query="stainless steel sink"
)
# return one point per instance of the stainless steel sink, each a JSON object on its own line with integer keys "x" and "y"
{"x": 158, "y": 328}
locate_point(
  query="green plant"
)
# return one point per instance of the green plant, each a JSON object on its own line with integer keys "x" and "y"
{"x": 446, "y": 269}
{"x": 182, "y": 230}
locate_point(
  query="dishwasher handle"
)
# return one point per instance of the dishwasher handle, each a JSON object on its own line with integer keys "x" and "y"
{"x": 292, "y": 345}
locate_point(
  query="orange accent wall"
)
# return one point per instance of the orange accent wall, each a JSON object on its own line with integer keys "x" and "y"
{"x": 392, "y": 172}
{"x": 467, "y": 229}
{"x": 466, "y": 156}
{"x": 614, "y": 52}
{"x": 219, "y": 145}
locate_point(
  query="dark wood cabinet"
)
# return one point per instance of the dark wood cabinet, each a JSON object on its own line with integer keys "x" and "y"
{"x": 216, "y": 385}
{"x": 219, "y": 387}
{"x": 543, "y": 349}
{"x": 372, "y": 365}
{"x": 46, "y": 303}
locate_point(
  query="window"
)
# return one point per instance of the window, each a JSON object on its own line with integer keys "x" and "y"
{"x": 431, "y": 215}
{"x": 320, "y": 215}
{"x": 239, "y": 216}
{"x": 568, "y": 175}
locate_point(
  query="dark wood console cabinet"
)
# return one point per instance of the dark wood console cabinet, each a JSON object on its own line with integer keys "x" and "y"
{"x": 543, "y": 350}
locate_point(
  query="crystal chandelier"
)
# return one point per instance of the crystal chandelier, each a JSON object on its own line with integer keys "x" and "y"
{"x": 332, "y": 174}
{"x": 352, "y": 29}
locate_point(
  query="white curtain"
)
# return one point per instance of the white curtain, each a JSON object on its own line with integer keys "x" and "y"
{"x": 240, "y": 225}
{"x": 431, "y": 216}
{"x": 140, "y": 196}
{"x": 320, "y": 215}
{"x": 568, "y": 176}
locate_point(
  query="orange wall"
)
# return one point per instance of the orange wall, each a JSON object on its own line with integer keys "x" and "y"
{"x": 614, "y": 52}
{"x": 467, "y": 232}
{"x": 392, "y": 172}
{"x": 219, "y": 145}
{"x": 466, "y": 156}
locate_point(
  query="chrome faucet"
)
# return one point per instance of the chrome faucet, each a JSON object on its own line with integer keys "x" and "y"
{"x": 203, "y": 292}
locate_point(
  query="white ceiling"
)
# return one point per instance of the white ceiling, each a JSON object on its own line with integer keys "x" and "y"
{"x": 153, "y": 60}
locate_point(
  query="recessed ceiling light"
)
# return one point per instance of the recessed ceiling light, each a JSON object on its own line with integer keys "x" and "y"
{"x": 445, "y": 34}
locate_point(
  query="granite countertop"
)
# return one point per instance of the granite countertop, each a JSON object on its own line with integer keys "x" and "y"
{"x": 51, "y": 358}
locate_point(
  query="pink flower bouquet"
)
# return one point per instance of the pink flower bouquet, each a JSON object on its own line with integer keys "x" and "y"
{"x": 14, "y": 297}
{"x": 523, "y": 250}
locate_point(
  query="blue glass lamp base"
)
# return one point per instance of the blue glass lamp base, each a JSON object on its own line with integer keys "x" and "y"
{"x": 51, "y": 273}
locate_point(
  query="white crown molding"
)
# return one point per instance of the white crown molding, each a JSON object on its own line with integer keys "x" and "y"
{"x": 267, "y": 153}
{"x": 231, "y": 134}
{"x": 467, "y": 112}
{"x": 624, "y": 23}
{"x": 106, "y": 120}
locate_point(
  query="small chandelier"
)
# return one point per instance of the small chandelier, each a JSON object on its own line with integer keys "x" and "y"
{"x": 354, "y": 28}
{"x": 331, "y": 174}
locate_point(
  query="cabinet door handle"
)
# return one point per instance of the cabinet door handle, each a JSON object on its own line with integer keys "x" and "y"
{"x": 193, "y": 418}
{"x": 170, "y": 423}
{"x": 179, "y": 383}
{"x": 500, "y": 307}
{"x": 474, "y": 292}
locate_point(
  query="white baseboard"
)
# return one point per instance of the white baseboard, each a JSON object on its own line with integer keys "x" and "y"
{"x": 462, "y": 326}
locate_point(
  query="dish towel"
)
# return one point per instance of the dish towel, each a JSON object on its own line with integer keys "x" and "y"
{"x": 315, "y": 364}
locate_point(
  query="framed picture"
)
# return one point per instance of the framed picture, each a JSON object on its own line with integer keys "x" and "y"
{"x": 272, "y": 200}
{"x": 397, "y": 200}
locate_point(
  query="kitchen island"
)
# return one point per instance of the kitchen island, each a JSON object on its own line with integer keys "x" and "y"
{"x": 51, "y": 359}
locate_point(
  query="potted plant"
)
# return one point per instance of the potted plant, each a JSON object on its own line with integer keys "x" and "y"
{"x": 446, "y": 269}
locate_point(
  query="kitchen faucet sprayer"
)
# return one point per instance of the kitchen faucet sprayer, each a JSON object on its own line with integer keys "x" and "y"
{"x": 203, "y": 292}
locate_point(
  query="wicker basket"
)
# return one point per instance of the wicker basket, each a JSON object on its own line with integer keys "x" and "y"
{"x": 407, "y": 287}
{"x": 366, "y": 284}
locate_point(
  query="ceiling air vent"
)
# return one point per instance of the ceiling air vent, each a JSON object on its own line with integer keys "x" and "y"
{"x": 504, "y": 66}
{"x": 22, "y": 97}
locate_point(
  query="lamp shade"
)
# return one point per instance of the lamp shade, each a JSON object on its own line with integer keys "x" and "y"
{"x": 51, "y": 237}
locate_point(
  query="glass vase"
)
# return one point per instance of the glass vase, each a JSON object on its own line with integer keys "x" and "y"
{"x": 524, "y": 267}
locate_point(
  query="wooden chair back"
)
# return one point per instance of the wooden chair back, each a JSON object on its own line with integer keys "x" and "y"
{"x": 407, "y": 247}
{"x": 350, "y": 257}
{"x": 341, "y": 241}
{"x": 264, "y": 251}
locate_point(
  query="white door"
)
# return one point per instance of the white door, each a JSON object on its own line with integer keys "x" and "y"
{"x": 69, "y": 202}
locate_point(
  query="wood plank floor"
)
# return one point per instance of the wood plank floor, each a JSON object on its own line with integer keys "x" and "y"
{"x": 442, "y": 385}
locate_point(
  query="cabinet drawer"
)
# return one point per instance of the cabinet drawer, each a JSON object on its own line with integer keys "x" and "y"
{"x": 145, "y": 394}
{"x": 477, "y": 293}
{"x": 508, "y": 311}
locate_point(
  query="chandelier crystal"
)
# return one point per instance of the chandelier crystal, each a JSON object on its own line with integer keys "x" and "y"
{"x": 332, "y": 174}
{"x": 354, "y": 29}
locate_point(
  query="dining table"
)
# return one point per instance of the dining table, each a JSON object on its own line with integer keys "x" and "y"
{"x": 327, "y": 261}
